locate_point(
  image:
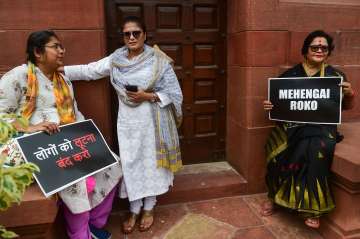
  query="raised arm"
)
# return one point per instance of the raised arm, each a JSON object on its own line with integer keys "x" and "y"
{"x": 92, "y": 71}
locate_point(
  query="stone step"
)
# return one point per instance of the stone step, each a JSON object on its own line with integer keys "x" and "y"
{"x": 205, "y": 181}
{"x": 33, "y": 217}
{"x": 197, "y": 182}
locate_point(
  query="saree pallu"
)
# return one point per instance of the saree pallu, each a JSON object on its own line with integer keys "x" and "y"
{"x": 298, "y": 167}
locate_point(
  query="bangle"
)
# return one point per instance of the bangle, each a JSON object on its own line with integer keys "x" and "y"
{"x": 154, "y": 98}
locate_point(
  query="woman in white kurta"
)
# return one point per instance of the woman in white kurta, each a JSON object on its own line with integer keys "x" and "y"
{"x": 147, "y": 118}
{"x": 42, "y": 98}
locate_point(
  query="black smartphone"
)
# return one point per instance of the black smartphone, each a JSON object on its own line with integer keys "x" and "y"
{"x": 132, "y": 88}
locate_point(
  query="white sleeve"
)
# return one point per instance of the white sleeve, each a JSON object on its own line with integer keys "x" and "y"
{"x": 92, "y": 71}
{"x": 164, "y": 99}
{"x": 10, "y": 93}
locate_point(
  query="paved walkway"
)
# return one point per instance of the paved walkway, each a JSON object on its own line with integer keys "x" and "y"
{"x": 224, "y": 218}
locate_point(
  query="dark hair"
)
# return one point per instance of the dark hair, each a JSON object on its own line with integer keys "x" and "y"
{"x": 36, "y": 42}
{"x": 136, "y": 20}
{"x": 312, "y": 36}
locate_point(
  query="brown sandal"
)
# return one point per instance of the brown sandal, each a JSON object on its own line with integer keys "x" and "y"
{"x": 312, "y": 222}
{"x": 130, "y": 223}
{"x": 147, "y": 220}
{"x": 267, "y": 209}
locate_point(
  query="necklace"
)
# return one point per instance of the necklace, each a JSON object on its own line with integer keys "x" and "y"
{"x": 308, "y": 69}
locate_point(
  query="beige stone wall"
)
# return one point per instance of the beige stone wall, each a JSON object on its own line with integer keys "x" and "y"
{"x": 265, "y": 38}
{"x": 80, "y": 25}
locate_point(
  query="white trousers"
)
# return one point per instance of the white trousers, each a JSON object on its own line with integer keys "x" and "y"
{"x": 149, "y": 203}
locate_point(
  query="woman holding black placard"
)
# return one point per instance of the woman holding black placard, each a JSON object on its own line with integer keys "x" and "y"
{"x": 299, "y": 156}
{"x": 36, "y": 97}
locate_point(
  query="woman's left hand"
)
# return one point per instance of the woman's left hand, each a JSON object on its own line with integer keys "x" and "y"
{"x": 139, "y": 96}
{"x": 347, "y": 90}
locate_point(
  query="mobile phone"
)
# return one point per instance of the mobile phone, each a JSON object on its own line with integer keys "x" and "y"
{"x": 133, "y": 88}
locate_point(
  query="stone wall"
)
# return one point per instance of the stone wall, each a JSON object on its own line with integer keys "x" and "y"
{"x": 80, "y": 25}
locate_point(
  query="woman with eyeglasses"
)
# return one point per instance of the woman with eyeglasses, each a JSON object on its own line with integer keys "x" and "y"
{"x": 149, "y": 112}
{"x": 35, "y": 97}
{"x": 299, "y": 156}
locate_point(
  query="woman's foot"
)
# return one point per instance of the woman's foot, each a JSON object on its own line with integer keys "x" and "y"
{"x": 147, "y": 220}
{"x": 267, "y": 209}
{"x": 312, "y": 222}
{"x": 129, "y": 224}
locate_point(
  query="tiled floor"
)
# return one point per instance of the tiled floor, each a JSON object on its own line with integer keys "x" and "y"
{"x": 226, "y": 218}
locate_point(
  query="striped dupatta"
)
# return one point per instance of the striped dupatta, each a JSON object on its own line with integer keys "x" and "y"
{"x": 166, "y": 119}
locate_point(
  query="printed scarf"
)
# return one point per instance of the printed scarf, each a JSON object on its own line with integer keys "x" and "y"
{"x": 64, "y": 101}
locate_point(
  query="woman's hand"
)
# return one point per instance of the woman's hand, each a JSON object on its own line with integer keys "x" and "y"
{"x": 48, "y": 127}
{"x": 61, "y": 69}
{"x": 347, "y": 90}
{"x": 139, "y": 96}
{"x": 267, "y": 105}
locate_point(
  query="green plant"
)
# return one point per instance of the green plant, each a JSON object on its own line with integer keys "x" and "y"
{"x": 13, "y": 181}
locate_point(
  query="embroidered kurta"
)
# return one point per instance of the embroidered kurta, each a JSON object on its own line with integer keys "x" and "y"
{"x": 135, "y": 124}
{"x": 13, "y": 87}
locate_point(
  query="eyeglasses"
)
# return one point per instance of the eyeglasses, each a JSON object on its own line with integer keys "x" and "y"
{"x": 135, "y": 34}
{"x": 56, "y": 46}
{"x": 316, "y": 48}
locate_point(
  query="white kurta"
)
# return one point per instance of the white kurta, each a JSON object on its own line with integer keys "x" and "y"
{"x": 136, "y": 131}
{"x": 13, "y": 86}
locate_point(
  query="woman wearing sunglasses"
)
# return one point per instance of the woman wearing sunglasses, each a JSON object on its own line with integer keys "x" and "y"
{"x": 149, "y": 112}
{"x": 300, "y": 159}
{"x": 35, "y": 97}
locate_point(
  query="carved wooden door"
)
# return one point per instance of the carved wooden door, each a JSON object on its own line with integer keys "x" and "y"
{"x": 193, "y": 33}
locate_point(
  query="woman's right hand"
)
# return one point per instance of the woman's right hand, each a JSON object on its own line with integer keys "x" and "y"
{"x": 267, "y": 105}
{"x": 48, "y": 127}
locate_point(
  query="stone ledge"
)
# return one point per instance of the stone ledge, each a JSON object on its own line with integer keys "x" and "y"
{"x": 33, "y": 216}
{"x": 205, "y": 181}
{"x": 346, "y": 162}
{"x": 344, "y": 222}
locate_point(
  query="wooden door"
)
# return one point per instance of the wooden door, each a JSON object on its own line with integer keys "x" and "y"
{"x": 193, "y": 33}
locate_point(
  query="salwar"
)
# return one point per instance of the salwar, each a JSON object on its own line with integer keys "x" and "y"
{"x": 77, "y": 225}
{"x": 149, "y": 203}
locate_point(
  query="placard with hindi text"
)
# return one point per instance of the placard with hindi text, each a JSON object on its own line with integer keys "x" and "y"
{"x": 76, "y": 152}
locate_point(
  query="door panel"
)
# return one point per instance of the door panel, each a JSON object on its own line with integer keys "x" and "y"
{"x": 193, "y": 34}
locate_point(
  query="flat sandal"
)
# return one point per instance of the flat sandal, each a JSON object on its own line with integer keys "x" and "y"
{"x": 127, "y": 228}
{"x": 146, "y": 214}
{"x": 312, "y": 222}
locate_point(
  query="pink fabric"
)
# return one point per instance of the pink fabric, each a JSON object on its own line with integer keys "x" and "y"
{"x": 90, "y": 184}
{"x": 77, "y": 225}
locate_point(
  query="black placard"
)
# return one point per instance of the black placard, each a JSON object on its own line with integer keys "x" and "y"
{"x": 76, "y": 152}
{"x": 314, "y": 100}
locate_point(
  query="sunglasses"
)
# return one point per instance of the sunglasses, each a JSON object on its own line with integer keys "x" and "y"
{"x": 316, "y": 48}
{"x": 135, "y": 34}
